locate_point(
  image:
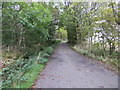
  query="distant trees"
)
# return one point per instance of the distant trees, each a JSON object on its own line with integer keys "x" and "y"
{"x": 92, "y": 23}
{"x": 61, "y": 34}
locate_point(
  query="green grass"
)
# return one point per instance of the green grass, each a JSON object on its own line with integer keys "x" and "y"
{"x": 23, "y": 72}
{"x": 31, "y": 75}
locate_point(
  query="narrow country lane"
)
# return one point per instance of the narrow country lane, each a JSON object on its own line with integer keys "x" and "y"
{"x": 68, "y": 69}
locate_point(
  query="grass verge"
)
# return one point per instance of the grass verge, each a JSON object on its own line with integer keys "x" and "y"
{"x": 111, "y": 63}
{"x": 31, "y": 75}
{"x": 22, "y": 72}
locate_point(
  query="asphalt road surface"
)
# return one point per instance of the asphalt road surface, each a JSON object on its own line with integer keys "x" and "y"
{"x": 68, "y": 69}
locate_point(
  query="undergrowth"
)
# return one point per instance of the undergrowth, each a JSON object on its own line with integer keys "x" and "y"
{"x": 106, "y": 59}
{"x": 22, "y": 72}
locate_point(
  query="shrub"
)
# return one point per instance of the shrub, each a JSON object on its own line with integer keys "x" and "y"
{"x": 43, "y": 60}
{"x": 48, "y": 50}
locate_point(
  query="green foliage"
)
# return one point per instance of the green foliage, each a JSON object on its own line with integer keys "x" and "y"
{"x": 29, "y": 77}
{"x": 96, "y": 26}
{"x": 48, "y": 50}
{"x": 61, "y": 34}
{"x": 100, "y": 58}
{"x": 27, "y": 19}
{"x": 98, "y": 55}
{"x": 95, "y": 23}
{"x": 83, "y": 52}
{"x": 31, "y": 28}
{"x": 18, "y": 73}
{"x": 43, "y": 60}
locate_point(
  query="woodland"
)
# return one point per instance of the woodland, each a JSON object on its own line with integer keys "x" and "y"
{"x": 31, "y": 31}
